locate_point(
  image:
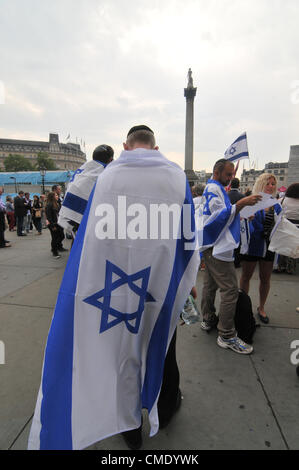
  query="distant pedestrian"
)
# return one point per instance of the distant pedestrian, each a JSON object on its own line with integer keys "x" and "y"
{"x": 3, "y": 243}
{"x": 42, "y": 201}
{"x": 37, "y": 214}
{"x": 28, "y": 214}
{"x": 10, "y": 213}
{"x": 56, "y": 188}
{"x": 52, "y": 211}
{"x": 20, "y": 212}
{"x": 234, "y": 194}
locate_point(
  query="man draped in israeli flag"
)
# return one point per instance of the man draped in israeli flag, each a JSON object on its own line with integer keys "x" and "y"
{"x": 80, "y": 187}
{"x": 118, "y": 305}
{"x": 219, "y": 235}
{"x": 238, "y": 149}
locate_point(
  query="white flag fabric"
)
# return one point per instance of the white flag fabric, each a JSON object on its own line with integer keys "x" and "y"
{"x": 78, "y": 192}
{"x": 117, "y": 309}
{"x": 244, "y": 236}
{"x": 219, "y": 226}
{"x": 238, "y": 149}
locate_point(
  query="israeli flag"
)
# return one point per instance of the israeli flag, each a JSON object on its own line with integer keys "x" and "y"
{"x": 78, "y": 192}
{"x": 245, "y": 236}
{"x": 238, "y": 149}
{"x": 117, "y": 309}
{"x": 219, "y": 225}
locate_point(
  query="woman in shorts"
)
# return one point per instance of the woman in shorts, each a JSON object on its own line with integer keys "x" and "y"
{"x": 260, "y": 229}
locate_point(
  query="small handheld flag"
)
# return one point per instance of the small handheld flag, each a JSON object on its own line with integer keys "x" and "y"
{"x": 238, "y": 149}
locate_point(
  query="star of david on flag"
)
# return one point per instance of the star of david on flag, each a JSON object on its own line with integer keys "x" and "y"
{"x": 238, "y": 149}
{"x": 209, "y": 196}
{"x": 136, "y": 283}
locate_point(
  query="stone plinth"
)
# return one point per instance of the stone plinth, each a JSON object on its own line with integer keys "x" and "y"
{"x": 293, "y": 170}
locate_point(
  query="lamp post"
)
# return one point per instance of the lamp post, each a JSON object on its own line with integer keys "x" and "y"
{"x": 43, "y": 172}
{"x": 14, "y": 178}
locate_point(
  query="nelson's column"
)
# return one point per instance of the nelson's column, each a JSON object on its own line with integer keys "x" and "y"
{"x": 189, "y": 94}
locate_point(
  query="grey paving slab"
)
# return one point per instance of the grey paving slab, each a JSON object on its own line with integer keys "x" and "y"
{"x": 224, "y": 406}
{"x": 279, "y": 379}
{"x": 23, "y": 331}
{"x": 41, "y": 293}
{"x": 230, "y": 401}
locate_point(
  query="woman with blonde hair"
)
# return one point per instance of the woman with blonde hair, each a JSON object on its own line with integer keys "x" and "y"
{"x": 260, "y": 229}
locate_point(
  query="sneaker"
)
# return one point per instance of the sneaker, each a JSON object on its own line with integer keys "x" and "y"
{"x": 208, "y": 326}
{"x": 235, "y": 344}
{"x": 56, "y": 255}
{"x": 62, "y": 249}
{"x": 297, "y": 309}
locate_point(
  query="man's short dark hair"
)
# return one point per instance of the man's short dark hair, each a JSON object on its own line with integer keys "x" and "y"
{"x": 141, "y": 134}
{"x": 293, "y": 191}
{"x": 55, "y": 186}
{"x": 220, "y": 164}
{"x": 141, "y": 127}
{"x": 235, "y": 183}
{"x": 103, "y": 153}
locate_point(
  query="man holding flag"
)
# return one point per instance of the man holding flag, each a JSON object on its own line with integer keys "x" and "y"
{"x": 219, "y": 235}
{"x": 117, "y": 310}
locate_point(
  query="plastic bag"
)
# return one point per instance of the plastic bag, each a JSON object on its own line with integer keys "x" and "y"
{"x": 285, "y": 239}
{"x": 190, "y": 313}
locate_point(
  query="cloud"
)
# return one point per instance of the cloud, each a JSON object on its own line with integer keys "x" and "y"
{"x": 94, "y": 69}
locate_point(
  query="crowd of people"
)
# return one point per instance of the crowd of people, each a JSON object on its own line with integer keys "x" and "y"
{"x": 218, "y": 220}
{"x": 23, "y": 214}
{"x": 255, "y": 253}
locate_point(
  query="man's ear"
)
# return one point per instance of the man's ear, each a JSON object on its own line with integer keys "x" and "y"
{"x": 156, "y": 148}
{"x": 125, "y": 146}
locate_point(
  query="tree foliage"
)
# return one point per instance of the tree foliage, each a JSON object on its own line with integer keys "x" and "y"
{"x": 43, "y": 161}
{"x": 16, "y": 162}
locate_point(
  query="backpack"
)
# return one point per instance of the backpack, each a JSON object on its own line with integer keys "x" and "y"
{"x": 244, "y": 319}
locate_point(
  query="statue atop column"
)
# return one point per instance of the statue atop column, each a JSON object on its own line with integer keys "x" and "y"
{"x": 190, "y": 79}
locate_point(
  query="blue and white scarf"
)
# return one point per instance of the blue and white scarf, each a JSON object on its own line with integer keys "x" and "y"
{"x": 219, "y": 226}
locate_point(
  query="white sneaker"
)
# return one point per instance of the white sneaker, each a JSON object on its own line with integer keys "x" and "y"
{"x": 207, "y": 326}
{"x": 235, "y": 344}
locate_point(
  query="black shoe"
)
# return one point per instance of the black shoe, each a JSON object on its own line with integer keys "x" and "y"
{"x": 133, "y": 438}
{"x": 56, "y": 255}
{"x": 164, "y": 421}
{"x": 262, "y": 318}
{"x": 62, "y": 249}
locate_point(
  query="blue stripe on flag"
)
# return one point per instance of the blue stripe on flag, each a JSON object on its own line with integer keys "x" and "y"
{"x": 56, "y": 406}
{"x": 238, "y": 156}
{"x": 75, "y": 203}
{"x": 158, "y": 342}
{"x": 242, "y": 137}
{"x": 212, "y": 230}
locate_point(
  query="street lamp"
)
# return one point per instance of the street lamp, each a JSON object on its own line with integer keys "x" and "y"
{"x": 43, "y": 172}
{"x": 14, "y": 178}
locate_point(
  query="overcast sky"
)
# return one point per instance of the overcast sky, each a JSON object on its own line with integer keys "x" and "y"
{"x": 94, "y": 68}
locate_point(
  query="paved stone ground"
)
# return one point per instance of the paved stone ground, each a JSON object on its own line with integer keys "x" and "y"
{"x": 230, "y": 401}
